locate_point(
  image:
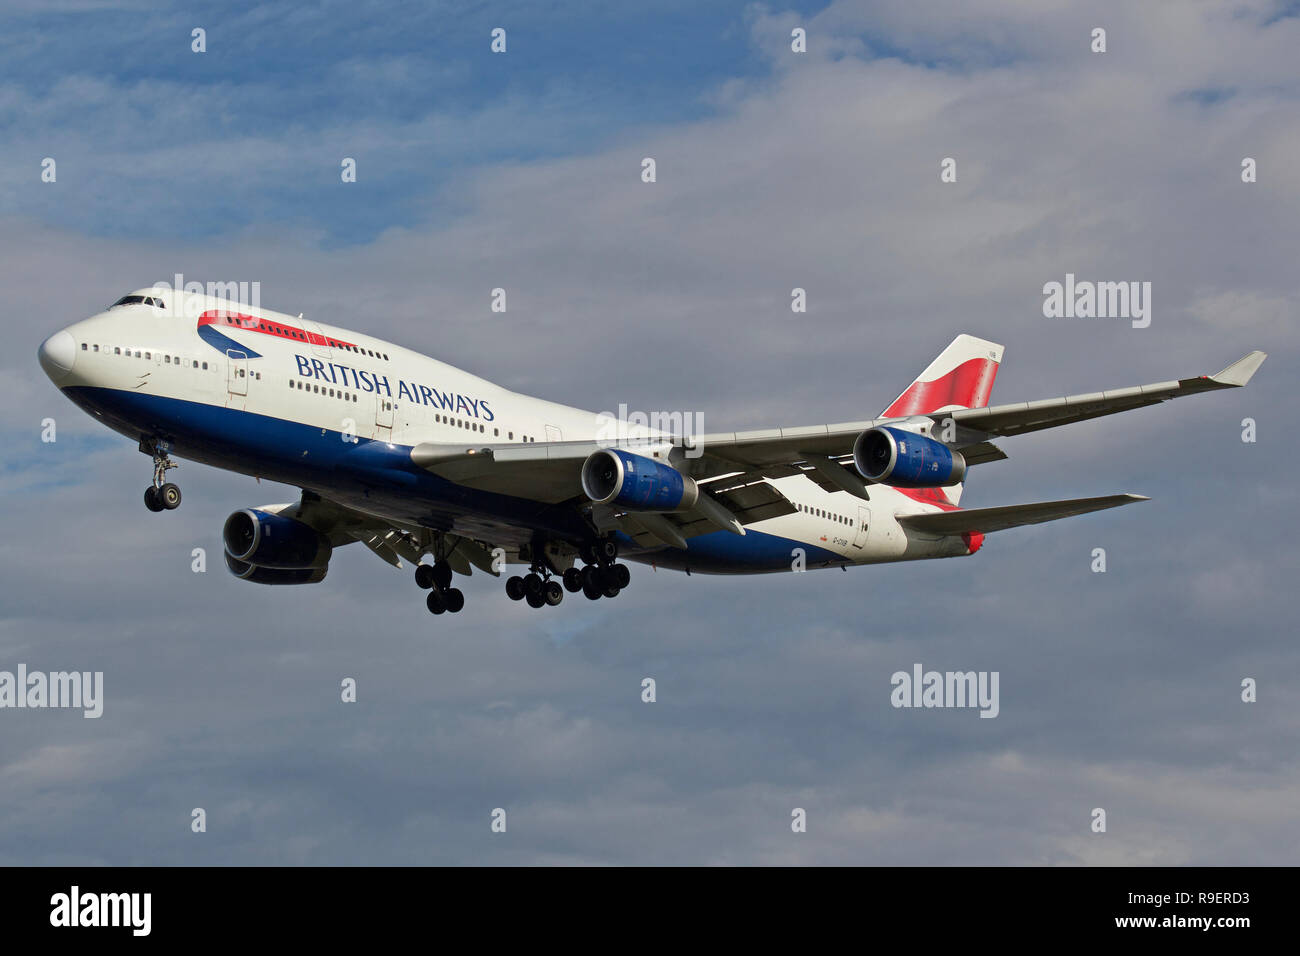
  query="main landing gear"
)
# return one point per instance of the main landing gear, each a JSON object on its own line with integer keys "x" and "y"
{"x": 436, "y": 579}
{"x": 600, "y": 577}
{"x": 162, "y": 494}
{"x": 537, "y": 587}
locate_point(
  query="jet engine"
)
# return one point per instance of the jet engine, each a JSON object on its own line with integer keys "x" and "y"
{"x": 265, "y": 540}
{"x": 615, "y": 477}
{"x": 892, "y": 456}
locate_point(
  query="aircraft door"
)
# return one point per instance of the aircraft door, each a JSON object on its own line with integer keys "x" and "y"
{"x": 553, "y": 433}
{"x": 862, "y": 527}
{"x": 384, "y": 409}
{"x": 237, "y": 372}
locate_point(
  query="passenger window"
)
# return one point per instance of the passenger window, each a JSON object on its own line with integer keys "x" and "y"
{"x": 205, "y": 366}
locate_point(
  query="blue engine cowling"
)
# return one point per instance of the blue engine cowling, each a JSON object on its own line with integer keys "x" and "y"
{"x": 615, "y": 477}
{"x": 895, "y": 457}
{"x": 273, "y": 541}
{"x": 251, "y": 572}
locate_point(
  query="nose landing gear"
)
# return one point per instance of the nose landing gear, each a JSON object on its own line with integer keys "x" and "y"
{"x": 162, "y": 495}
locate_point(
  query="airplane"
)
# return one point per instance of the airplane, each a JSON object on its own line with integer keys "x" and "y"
{"x": 415, "y": 458}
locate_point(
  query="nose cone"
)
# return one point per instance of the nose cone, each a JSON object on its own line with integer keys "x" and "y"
{"x": 57, "y": 354}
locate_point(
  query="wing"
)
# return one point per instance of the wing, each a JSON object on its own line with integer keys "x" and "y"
{"x": 735, "y": 468}
{"x": 762, "y": 450}
{"x": 344, "y": 525}
{"x": 1005, "y": 420}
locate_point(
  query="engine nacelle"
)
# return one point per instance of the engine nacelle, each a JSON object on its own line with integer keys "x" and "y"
{"x": 251, "y": 572}
{"x": 616, "y": 477}
{"x": 274, "y": 541}
{"x": 892, "y": 456}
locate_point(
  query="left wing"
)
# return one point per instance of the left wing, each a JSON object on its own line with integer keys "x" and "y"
{"x": 550, "y": 471}
{"x": 770, "y": 447}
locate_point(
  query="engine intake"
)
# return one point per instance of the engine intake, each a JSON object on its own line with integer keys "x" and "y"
{"x": 612, "y": 476}
{"x": 273, "y": 541}
{"x": 892, "y": 456}
{"x": 251, "y": 572}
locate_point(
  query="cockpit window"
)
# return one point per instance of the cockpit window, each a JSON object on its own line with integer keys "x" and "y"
{"x": 139, "y": 300}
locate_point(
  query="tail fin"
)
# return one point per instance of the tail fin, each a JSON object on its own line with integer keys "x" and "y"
{"x": 961, "y": 377}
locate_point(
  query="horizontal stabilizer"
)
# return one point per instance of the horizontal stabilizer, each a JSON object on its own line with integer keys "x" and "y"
{"x": 986, "y": 520}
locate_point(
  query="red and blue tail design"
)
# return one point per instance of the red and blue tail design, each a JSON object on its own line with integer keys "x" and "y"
{"x": 961, "y": 377}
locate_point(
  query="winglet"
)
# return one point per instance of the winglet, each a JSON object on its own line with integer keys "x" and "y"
{"x": 1240, "y": 371}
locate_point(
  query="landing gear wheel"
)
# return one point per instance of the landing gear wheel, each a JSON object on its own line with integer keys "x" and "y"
{"x": 442, "y": 574}
{"x": 535, "y": 600}
{"x": 611, "y": 590}
{"x": 554, "y": 593}
{"x": 591, "y": 578}
{"x": 435, "y": 603}
{"x": 454, "y": 598}
{"x": 591, "y": 591}
{"x": 573, "y": 580}
{"x": 515, "y": 588}
{"x": 607, "y": 549}
{"x": 533, "y": 585}
{"x": 621, "y": 575}
{"x": 162, "y": 494}
{"x": 424, "y": 576}
{"x": 588, "y": 554}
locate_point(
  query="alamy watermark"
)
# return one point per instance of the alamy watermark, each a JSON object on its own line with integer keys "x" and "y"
{"x": 1084, "y": 299}
{"x": 922, "y": 688}
{"x": 614, "y": 430}
{"x": 180, "y": 297}
{"x": 80, "y": 690}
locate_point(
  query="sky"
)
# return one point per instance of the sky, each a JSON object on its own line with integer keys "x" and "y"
{"x": 774, "y": 170}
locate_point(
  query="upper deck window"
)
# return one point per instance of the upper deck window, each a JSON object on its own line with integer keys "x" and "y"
{"x": 139, "y": 300}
